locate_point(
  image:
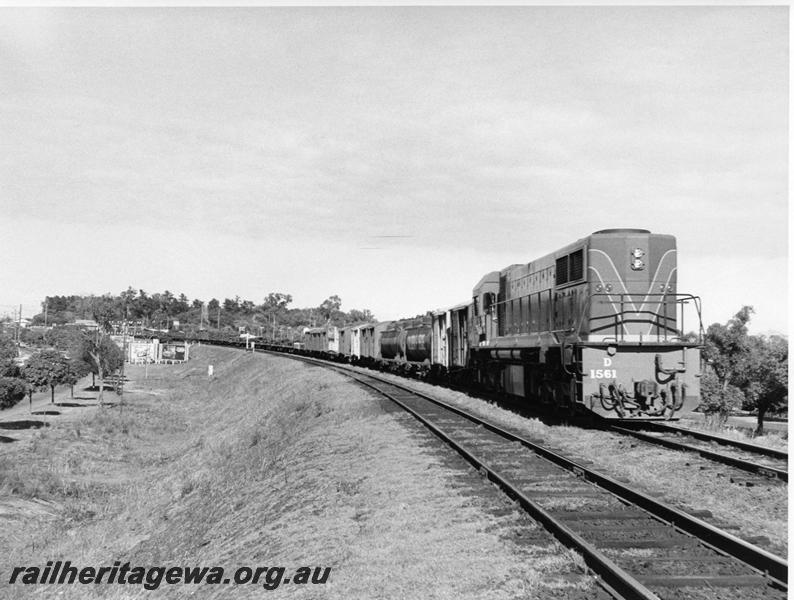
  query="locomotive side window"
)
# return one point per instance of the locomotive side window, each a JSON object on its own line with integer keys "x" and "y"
{"x": 570, "y": 267}
{"x": 534, "y": 312}
{"x": 562, "y": 270}
{"x": 576, "y": 266}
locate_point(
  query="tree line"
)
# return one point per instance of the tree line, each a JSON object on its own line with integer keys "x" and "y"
{"x": 162, "y": 310}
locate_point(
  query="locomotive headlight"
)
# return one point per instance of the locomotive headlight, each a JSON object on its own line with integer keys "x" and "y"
{"x": 636, "y": 259}
{"x": 598, "y": 287}
{"x": 609, "y": 287}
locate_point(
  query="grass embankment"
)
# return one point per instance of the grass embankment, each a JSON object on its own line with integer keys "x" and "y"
{"x": 269, "y": 464}
{"x": 679, "y": 478}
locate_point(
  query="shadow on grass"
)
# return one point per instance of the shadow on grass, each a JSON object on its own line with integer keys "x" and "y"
{"x": 74, "y": 404}
{"x": 45, "y": 412}
{"x": 85, "y": 398}
{"x": 6, "y": 440}
{"x": 27, "y": 424}
{"x": 95, "y": 388}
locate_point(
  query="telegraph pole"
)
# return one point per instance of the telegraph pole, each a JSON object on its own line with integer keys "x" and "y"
{"x": 19, "y": 324}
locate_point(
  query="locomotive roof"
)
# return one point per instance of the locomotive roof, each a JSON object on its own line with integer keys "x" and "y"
{"x": 439, "y": 311}
{"x": 619, "y": 231}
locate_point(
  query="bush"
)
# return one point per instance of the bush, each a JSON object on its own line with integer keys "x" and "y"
{"x": 12, "y": 390}
{"x": 718, "y": 403}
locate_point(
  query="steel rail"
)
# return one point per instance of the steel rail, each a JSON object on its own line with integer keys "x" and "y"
{"x": 710, "y": 437}
{"x": 618, "y": 580}
{"x": 773, "y": 566}
{"x": 739, "y": 463}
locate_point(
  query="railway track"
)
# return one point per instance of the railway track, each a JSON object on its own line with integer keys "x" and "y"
{"x": 751, "y": 458}
{"x": 639, "y": 547}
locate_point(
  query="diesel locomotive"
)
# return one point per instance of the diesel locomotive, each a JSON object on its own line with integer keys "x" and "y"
{"x": 596, "y": 327}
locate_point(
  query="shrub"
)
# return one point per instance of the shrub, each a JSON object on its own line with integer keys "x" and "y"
{"x": 12, "y": 390}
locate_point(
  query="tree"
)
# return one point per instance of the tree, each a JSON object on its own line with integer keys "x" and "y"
{"x": 12, "y": 390}
{"x": 273, "y": 309}
{"x": 78, "y": 369}
{"x": 726, "y": 352}
{"x": 329, "y": 307}
{"x": 754, "y": 366}
{"x": 102, "y": 355}
{"x": 66, "y": 338}
{"x": 360, "y": 316}
{"x": 46, "y": 368}
{"x": 100, "y": 352}
{"x": 127, "y": 301}
{"x": 767, "y": 387}
{"x": 8, "y": 355}
{"x": 717, "y": 401}
{"x": 104, "y": 312}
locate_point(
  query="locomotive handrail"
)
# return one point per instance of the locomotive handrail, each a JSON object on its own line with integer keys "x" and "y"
{"x": 624, "y": 316}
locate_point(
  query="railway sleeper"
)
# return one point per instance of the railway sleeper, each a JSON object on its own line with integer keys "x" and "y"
{"x": 602, "y": 515}
{"x": 680, "y": 581}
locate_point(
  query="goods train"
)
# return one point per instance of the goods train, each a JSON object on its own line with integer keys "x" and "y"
{"x": 595, "y": 327}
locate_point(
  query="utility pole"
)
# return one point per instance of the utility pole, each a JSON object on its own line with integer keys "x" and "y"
{"x": 219, "y": 317}
{"x": 46, "y": 305}
{"x": 19, "y": 324}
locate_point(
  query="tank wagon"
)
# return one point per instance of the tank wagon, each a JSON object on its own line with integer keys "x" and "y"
{"x": 596, "y": 327}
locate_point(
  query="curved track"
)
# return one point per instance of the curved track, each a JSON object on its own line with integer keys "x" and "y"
{"x": 752, "y": 458}
{"x": 638, "y": 546}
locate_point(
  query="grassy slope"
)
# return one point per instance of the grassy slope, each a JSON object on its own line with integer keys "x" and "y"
{"x": 269, "y": 464}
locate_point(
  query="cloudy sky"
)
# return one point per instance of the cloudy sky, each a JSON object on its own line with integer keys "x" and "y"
{"x": 389, "y": 155}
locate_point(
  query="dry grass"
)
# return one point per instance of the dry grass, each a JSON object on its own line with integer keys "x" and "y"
{"x": 268, "y": 464}
{"x": 771, "y": 438}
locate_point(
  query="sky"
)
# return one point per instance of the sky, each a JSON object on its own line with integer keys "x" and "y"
{"x": 389, "y": 155}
